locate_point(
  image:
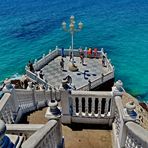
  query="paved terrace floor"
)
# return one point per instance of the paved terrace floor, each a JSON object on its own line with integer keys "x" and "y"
{"x": 54, "y": 75}
{"x": 79, "y": 137}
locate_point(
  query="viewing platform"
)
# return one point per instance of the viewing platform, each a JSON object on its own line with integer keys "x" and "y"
{"x": 55, "y": 106}
{"x": 90, "y": 74}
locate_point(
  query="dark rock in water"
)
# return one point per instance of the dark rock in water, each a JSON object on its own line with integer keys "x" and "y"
{"x": 144, "y": 105}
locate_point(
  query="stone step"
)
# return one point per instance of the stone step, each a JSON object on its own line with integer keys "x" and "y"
{"x": 37, "y": 117}
{"x": 87, "y": 138}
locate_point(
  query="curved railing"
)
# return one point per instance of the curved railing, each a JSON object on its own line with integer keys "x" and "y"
{"x": 136, "y": 136}
{"x": 20, "y": 101}
{"x": 126, "y": 131}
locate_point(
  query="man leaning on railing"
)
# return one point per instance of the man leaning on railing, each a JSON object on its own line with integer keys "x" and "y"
{"x": 30, "y": 65}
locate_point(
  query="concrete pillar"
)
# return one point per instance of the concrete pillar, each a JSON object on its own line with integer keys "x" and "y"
{"x": 66, "y": 106}
{"x": 117, "y": 89}
{"x": 8, "y": 86}
{"x": 53, "y": 112}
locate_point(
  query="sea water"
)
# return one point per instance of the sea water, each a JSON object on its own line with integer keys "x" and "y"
{"x": 29, "y": 28}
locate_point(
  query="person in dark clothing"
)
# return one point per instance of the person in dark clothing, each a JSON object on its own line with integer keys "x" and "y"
{"x": 69, "y": 78}
{"x": 41, "y": 74}
{"x": 81, "y": 56}
{"x": 30, "y": 65}
{"x": 62, "y": 64}
{"x": 70, "y": 56}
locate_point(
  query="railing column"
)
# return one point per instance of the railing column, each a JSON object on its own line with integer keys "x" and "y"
{"x": 80, "y": 106}
{"x": 93, "y": 106}
{"x": 106, "y": 106}
{"x": 86, "y": 106}
{"x": 74, "y": 105}
{"x": 99, "y": 107}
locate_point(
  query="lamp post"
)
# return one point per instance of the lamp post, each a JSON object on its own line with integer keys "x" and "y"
{"x": 72, "y": 30}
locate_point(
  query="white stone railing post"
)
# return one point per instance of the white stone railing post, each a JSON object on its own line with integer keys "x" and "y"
{"x": 106, "y": 107}
{"x": 93, "y": 106}
{"x": 122, "y": 116}
{"x": 53, "y": 112}
{"x": 74, "y": 106}
{"x": 80, "y": 106}
{"x": 99, "y": 107}
{"x": 86, "y": 106}
{"x": 65, "y": 103}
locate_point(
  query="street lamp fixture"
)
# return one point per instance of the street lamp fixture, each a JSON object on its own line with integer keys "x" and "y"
{"x": 72, "y": 30}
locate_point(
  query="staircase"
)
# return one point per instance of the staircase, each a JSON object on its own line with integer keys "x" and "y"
{"x": 77, "y": 135}
{"x": 37, "y": 117}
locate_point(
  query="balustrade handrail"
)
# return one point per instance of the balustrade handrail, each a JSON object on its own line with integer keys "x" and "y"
{"x": 37, "y": 78}
{"x": 86, "y": 86}
{"x": 92, "y": 93}
{"x": 138, "y": 133}
{"x": 107, "y": 60}
{"x": 39, "y": 136}
{"x": 4, "y": 100}
{"x": 45, "y": 59}
{"x": 127, "y": 131}
{"x": 25, "y": 129}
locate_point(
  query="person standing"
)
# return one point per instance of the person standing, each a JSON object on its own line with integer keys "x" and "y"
{"x": 30, "y": 65}
{"x": 62, "y": 64}
{"x": 70, "y": 56}
{"x": 41, "y": 74}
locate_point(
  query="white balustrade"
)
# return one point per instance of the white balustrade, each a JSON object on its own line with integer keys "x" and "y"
{"x": 40, "y": 98}
{"x": 21, "y": 101}
{"x": 49, "y": 135}
{"x": 45, "y": 59}
{"x": 8, "y": 110}
{"x": 126, "y": 132}
{"x": 136, "y": 136}
{"x": 89, "y": 104}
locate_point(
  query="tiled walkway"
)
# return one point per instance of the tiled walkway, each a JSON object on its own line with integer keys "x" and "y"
{"x": 54, "y": 75}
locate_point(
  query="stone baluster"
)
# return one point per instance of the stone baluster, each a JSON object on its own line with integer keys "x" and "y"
{"x": 86, "y": 106}
{"x": 50, "y": 89}
{"x": 54, "y": 92}
{"x": 117, "y": 122}
{"x": 106, "y": 106}
{"x": 8, "y": 116}
{"x": 80, "y": 106}
{"x": 74, "y": 105}
{"x": 93, "y": 106}
{"x": 99, "y": 107}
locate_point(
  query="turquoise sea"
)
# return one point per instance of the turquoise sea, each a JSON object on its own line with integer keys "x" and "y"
{"x": 29, "y": 28}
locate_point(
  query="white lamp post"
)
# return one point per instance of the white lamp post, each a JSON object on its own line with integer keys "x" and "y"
{"x": 72, "y": 30}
